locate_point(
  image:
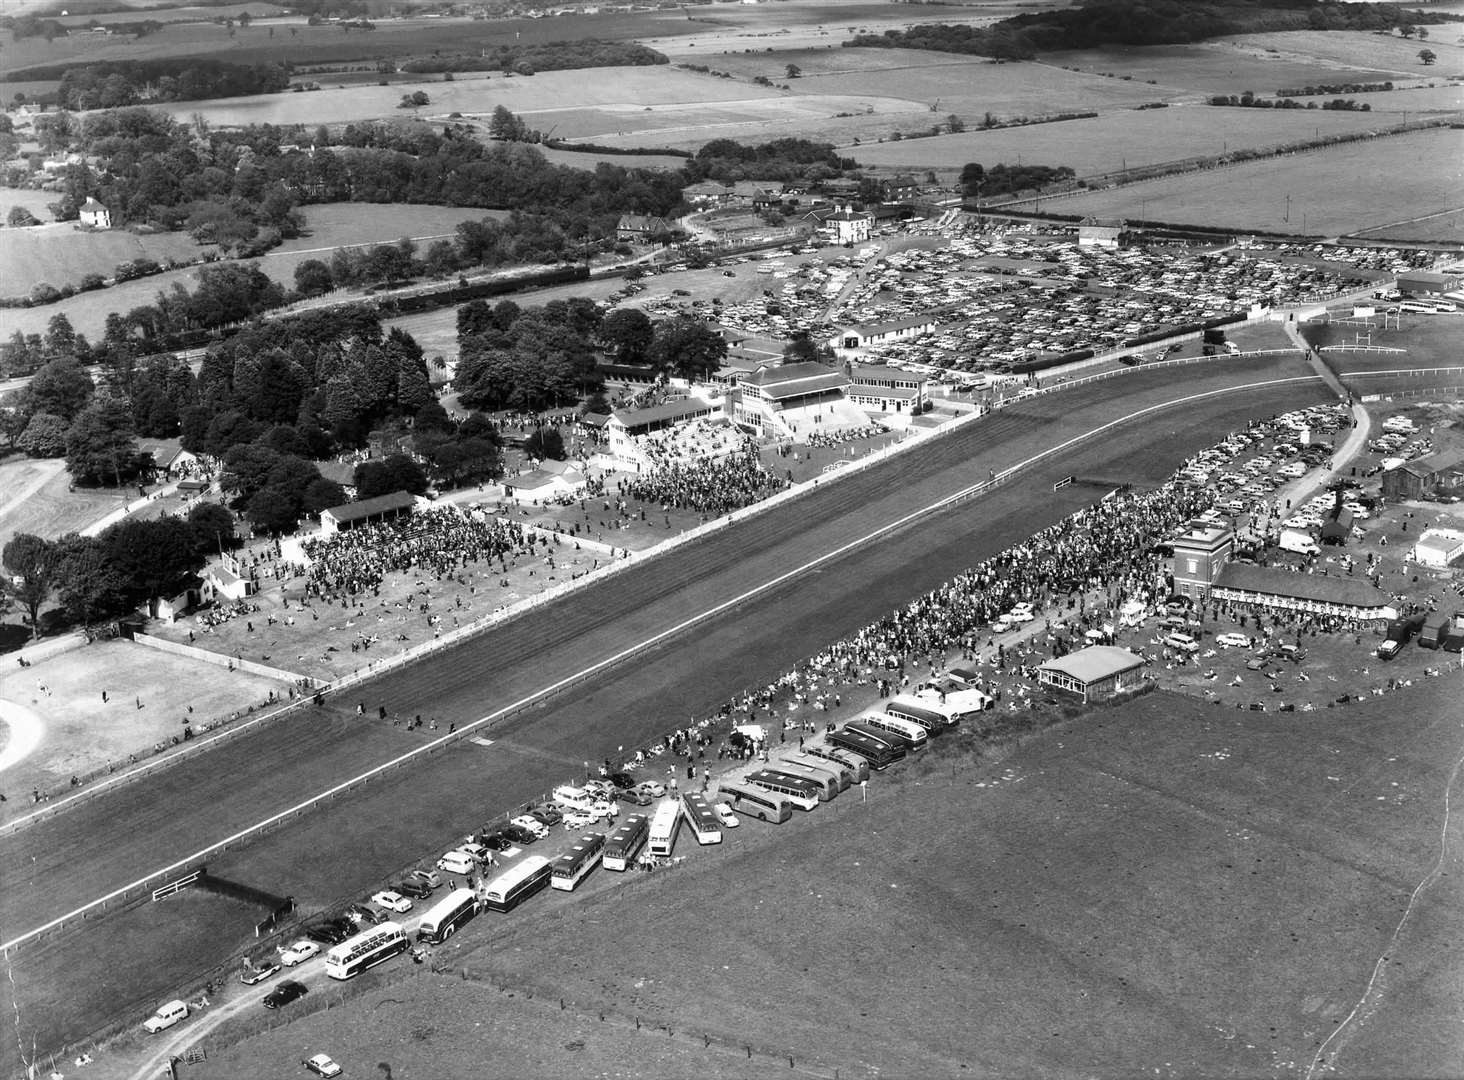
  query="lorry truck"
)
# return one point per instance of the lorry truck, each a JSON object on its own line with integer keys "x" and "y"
{"x": 1299, "y": 541}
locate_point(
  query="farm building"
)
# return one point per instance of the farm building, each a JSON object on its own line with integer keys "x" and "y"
{"x": 898, "y": 187}
{"x": 637, "y": 228}
{"x": 1100, "y": 232}
{"x": 366, "y": 512}
{"x": 847, "y": 226}
{"x": 882, "y": 333}
{"x": 1259, "y": 587}
{"x": 759, "y": 194}
{"x": 94, "y": 215}
{"x": 1438, "y": 548}
{"x": 780, "y": 401}
{"x": 1199, "y": 556}
{"x": 707, "y": 193}
{"x": 1427, "y": 477}
{"x": 1429, "y": 282}
{"x": 1095, "y": 673}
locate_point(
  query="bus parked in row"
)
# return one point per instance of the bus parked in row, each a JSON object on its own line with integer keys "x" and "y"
{"x": 756, "y": 802}
{"x": 928, "y": 714}
{"x": 804, "y": 794}
{"x": 626, "y": 842}
{"x": 517, "y": 884}
{"x": 878, "y": 750}
{"x": 702, "y": 819}
{"x": 892, "y": 729}
{"x": 575, "y": 864}
{"x": 447, "y": 915}
{"x": 662, "y": 840}
{"x": 825, "y": 781}
{"x": 818, "y": 768}
{"x": 855, "y": 763}
{"x": 365, "y": 950}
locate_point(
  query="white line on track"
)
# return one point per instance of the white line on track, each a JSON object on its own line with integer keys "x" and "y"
{"x": 650, "y": 642}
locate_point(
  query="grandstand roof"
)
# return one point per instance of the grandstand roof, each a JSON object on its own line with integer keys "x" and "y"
{"x": 366, "y": 508}
{"x": 1314, "y": 587}
{"x": 1094, "y": 663}
{"x": 680, "y": 409}
{"x": 795, "y": 380}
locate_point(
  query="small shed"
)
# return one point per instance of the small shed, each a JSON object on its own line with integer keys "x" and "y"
{"x": 1095, "y": 673}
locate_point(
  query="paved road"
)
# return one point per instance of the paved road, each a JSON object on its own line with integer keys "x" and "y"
{"x": 357, "y": 840}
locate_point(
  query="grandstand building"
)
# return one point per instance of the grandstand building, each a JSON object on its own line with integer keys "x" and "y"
{"x": 882, "y": 390}
{"x": 791, "y": 401}
{"x": 1263, "y": 589}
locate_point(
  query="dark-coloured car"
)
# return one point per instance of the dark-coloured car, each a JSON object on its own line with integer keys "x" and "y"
{"x": 496, "y": 841}
{"x": 547, "y": 813}
{"x": 417, "y": 890}
{"x": 359, "y": 913}
{"x": 284, "y": 993}
{"x": 623, "y": 781}
{"x": 329, "y": 932}
{"x": 637, "y": 796}
{"x": 518, "y": 834}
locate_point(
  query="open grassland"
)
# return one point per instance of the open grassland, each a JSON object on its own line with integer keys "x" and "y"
{"x": 1115, "y": 140}
{"x": 85, "y": 733}
{"x": 62, "y": 254}
{"x": 576, "y": 159}
{"x": 1447, "y": 227}
{"x": 614, "y": 88}
{"x": 1160, "y": 886}
{"x": 1332, "y": 192}
{"x": 1362, "y": 51}
{"x": 34, "y": 201}
{"x": 37, "y": 499}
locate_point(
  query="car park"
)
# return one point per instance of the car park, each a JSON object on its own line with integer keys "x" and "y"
{"x": 257, "y": 973}
{"x": 322, "y": 1065}
{"x": 299, "y": 952}
{"x": 284, "y": 993}
{"x": 1233, "y": 641}
{"x": 392, "y": 901}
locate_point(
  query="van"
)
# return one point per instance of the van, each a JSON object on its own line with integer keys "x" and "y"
{"x": 1299, "y": 542}
{"x": 457, "y": 862}
{"x": 574, "y": 797}
{"x": 166, "y": 1016}
{"x": 1389, "y": 649}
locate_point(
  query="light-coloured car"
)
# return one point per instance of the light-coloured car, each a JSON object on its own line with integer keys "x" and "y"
{"x": 532, "y": 824}
{"x": 576, "y": 819}
{"x": 654, "y": 788}
{"x": 725, "y": 815}
{"x": 322, "y": 1065}
{"x": 1233, "y": 641}
{"x": 299, "y": 952}
{"x": 166, "y": 1016}
{"x": 392, "y": 901}
{"x": 1182, "y": 642}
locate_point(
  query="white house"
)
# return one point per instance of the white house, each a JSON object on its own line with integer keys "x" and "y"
{"x": 849, "y": 226}
{"x": 853, "y": 338}
{"x": 1438, "y": 548}
{"x": 94, "y": 215}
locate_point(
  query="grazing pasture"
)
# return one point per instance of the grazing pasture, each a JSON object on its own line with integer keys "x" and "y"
{"x": 1332, "y": 192}
{"x": 1447, "y": 227}
{"x": 62, "y": 254}
{"x": 1361, "y": 51}
{"x": 1116, "y": 140}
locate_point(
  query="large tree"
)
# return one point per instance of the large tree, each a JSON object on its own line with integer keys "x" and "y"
{"x": 31, "y": 564}
{"x": 90, "y": 586}
{"x": 627, "y": 333}
{"x": 688, "y": 348}
{"x": 101, "y": 445}
{"x": 61, "y": 387}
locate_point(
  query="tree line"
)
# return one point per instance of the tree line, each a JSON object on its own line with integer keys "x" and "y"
{"x": 130, "y": 82}
{"x": 978, "y": 181}
{"x": 519, "y": 59}
{"x": 1097, "y": 23}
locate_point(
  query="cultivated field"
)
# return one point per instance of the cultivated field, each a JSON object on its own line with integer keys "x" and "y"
{"x": 1335, "y": 191}
{"x": 1163, "y": 886}
{"x": 62, "y": 254}
{"x": 1114, "y": 140}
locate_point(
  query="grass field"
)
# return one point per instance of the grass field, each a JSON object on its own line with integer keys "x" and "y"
{"x": 1162, "y": 887}
{"x": 1447, "y": 227}
{"x": 1332, "y": 192}
{"x": 62, "y": 254}
{"x": 37, "y": 500}
{"x": 34, "y": 201}
{"x": 1361, "y": 51}
{"x": 1114, "y": 140}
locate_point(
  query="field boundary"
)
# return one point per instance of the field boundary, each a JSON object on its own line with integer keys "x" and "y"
{"x": 496, "y": 717}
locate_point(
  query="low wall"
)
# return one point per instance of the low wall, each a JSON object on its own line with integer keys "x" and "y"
{"x": 177, "y": 648}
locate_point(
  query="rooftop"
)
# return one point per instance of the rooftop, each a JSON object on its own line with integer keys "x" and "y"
{"x": 1095, "y": 662}
{"x": 365, "y": 508}
{"x": 1313, "y": 587}
{"x": 660, "y": 414}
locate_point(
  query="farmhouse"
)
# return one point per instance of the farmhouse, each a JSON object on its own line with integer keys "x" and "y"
{"x": 1438, "y": 548}
{"x": 848, "y": 226}
{"x": 898, "y": 187}
{"x": 850, "y": 338}
{"x": 94, "y": 215}
{"x": 1095, "y": 673}
{"x": 637, "y": 228}
{"x": 1429, "y": 282}
{"x": 366, "y": 512}
{"x": 1263, "y": 588}
{"x": 1427, "y": 477}
{"x": 707, "y": 193}
{"x": 783, "y": 400}
{"x": 1100, "y": 232}
{"x": 1200, "y": 554}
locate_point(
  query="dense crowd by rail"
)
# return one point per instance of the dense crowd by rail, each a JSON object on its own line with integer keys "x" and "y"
{"x": 716, "y": 487}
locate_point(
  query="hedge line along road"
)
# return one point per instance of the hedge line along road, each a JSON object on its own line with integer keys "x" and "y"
{"x": 408, "y": 815}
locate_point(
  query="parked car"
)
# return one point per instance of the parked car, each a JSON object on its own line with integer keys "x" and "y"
{"x": 725, "y": 815}
{"x": 622, "y": 781}
{"x": 600, "y": 789}
{"x": 415, "y": 889}
{"x": 1295, "y": 653}
{"x": 654, "y": 788}
{"x": 637, "y": 796}
{"x": 576, "y": 820}
{"x": 284, "y": 993}
{"x": 322, "y": 1065}
{"x": 362, "y": 915}
{"x": 299, "y": 952}
{"x": 548, "y": 813}
{"x": 532, "y": 824}
{"x": 328, "y": 932}
{"x": 166, "y": 1016}
{"x": 430, "y": 878}
{"x": 1182, "y": 642}
{"x": 496, "y": 841}
{"x": 456, "y": 862}
{"x": 1389, "y": 649}
{"x": 519, "y": 835}
{"x": 259, "y": 972}
{"x": 392, "y": 901}
{"x": 1233, "y": 641}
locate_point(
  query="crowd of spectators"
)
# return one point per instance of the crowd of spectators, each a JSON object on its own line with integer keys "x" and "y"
{"x": 440, "y": 541}
{"x": 715, "y": 487}
{"x": 840, "y": 436}
{"x": 693, "y": 442}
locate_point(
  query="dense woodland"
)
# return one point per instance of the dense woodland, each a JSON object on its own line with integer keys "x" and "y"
{"x": 1143, "y": 22}
{"x": 550, "y": 56}
{"x": 129, "y": 82}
